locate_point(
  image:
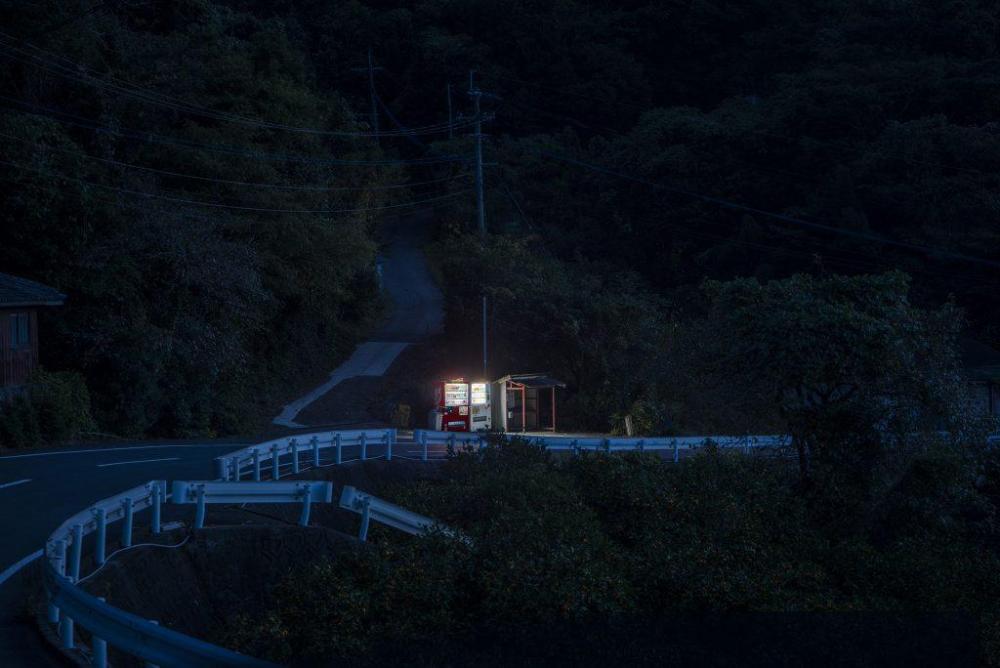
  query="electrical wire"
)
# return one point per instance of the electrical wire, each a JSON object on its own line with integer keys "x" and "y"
{"x": 71, "y": 71}
{"x": 219, "y": 205}
{"x": 126, "y": 549}
{"x": 149, "y": 137}
{"x": 251, "y": 184}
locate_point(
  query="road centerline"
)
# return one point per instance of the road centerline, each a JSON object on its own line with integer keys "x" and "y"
{"x": 140, "y": 461}
{"x": 16, "y": 482}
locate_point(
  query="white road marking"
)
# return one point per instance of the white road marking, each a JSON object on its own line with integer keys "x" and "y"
{"x": 11, "y": 571}
{"x": 16, "y": 482}
{"x": 140, "y": 461}
{"x": 234, "y": 446}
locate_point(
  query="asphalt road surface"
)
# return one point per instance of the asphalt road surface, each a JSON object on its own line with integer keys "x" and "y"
{"x": 40, "y": 489}
{"x": 416, "y": 312}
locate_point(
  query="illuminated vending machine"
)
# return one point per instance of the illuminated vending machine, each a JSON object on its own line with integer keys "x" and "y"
{"x": 479, "y": 402}
{"x": 461, "y": 406}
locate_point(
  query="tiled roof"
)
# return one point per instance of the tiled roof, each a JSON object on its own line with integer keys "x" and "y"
{"x": 16, "y": 291}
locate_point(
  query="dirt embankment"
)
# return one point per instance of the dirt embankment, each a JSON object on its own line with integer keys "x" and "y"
{"x": 231, "y": 567}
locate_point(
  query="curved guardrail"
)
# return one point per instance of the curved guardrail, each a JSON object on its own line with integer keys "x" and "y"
{"x": 575, "y": 444}
{"x": 255, "y": 459}
{"x": 70, "y": 605}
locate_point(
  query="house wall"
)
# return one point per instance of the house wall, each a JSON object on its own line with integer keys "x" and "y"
{"x": 16, "y": 365}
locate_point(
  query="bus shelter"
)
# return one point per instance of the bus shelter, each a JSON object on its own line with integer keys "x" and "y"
{"x": 525, "y": 402}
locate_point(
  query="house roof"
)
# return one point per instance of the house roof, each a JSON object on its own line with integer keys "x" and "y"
{"x": 980, "y": 361}
{"x": 533, "y": 380}
{"x": 16, "y": 292}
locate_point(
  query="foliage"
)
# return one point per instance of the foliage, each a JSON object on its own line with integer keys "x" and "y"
{"x": 602, "y": 332}
{"x": 853, "y": 370}
{"x": 55, "y": 408}
{"x": 628, "y": 542}
{"x": 184, "y": 317}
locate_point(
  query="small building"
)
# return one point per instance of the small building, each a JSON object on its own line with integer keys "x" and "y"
{"x": 982, "y": 368}
{"x": 525, "y": 402}
{"x": 20, "y": 300}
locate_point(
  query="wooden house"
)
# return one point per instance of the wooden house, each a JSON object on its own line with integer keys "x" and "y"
{"x": 20, "y": 300}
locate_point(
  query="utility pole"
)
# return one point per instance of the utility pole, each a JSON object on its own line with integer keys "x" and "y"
{"x": 476, "y": 95}
{"x": 371, "y": 92}
{"x": 372, "y": 95}
{"x": 451, "y": 130}
{"x": 484, "y": 338}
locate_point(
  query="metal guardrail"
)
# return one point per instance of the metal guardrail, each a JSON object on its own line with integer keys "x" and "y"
{"x": 145, "y": 639}
{"x": 69, "y": 605}
{"x": 575, "y": 444}
{"x": 204, "y": 492}
{"x": 301, "y": 451}
{"x": 373, "y": 508}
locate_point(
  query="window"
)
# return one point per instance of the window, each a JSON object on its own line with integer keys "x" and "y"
{"x": 19, "y": 330}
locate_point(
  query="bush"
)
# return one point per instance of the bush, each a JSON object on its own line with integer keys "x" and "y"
{"x": 18, "y": 424}
{"x": 634, "y": 542}
{"x": 56, "y": 408}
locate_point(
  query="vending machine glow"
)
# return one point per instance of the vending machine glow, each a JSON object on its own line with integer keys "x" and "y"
{"x": 461, "y": 406}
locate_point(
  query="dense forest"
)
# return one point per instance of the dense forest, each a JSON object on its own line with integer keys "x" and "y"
{"x": 174, "y": 168}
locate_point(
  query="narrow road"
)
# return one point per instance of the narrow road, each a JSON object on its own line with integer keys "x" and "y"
{"x": 416, "y": 312}
{"x": 40, "y": 489}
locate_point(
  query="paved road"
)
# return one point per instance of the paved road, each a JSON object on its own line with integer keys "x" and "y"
{"x": 416, "y": 312}
{"x": 38, "y": 490}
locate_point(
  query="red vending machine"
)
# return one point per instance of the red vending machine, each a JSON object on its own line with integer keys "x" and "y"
{"x": 460, "y": 406}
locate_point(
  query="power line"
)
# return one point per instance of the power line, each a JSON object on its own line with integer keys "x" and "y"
{"x": 770, "y": 214}
{"x": 220, "y": 205}
{"x": 150, "y": 137}
{"x": 251, "y": 184}
{"x": 72, "y": 69}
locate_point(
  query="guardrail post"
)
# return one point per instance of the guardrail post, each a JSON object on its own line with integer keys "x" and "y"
{"x": 607, "y": 445}
{"x": 451, "y": 442}
{"x": 127, "y": 522}
{"x": 101, "y": 537}
{"x": 482, "y": 443}
{"x": 66, "y": 632}
{"x": 640, "y": 445}
{"x": 306, "y": 504}
{"x": 275, "y": 469}
{"x": 423, "y": 445}
{"x": 149, "y": 664}
{"x": 576, "y": 447}
{"x": 256, "y": 465}
{"x": 220, "y": 469}
{"x": 364, "y": 446}
{"x": 365, "y": 519}
{"x": 677, "y": 452}
{"x": 337, "y": 440}
{"x": 388, "y": 445}
{"x": 293, "y": 445}
{"x": 74, "y": 561}
{"x": 65, "y": 623}
{"x": 315, "y": 447}
{"x": 54, "y": 546}
{"x": 199, "y": 513}
{"x": 157, "y": 501}
{"x": 234, "y": 466}
{"x": 99, "y": 648}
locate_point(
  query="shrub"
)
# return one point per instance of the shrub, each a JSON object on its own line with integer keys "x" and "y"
{"x": 56, "y": 408}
